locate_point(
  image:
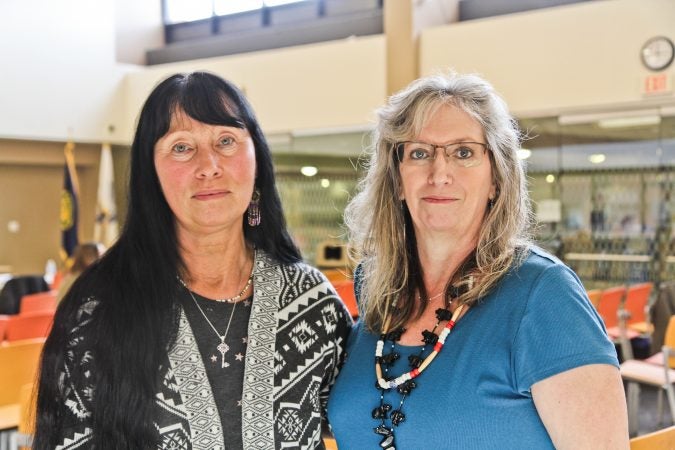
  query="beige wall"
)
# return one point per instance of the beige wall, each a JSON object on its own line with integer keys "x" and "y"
{"x": 572, "y": 58}
{"x": 138, "y": 28}
{"x": 59, "y": 77}
{"x": 324, "y": 86}
{"x": 31, "y": 179}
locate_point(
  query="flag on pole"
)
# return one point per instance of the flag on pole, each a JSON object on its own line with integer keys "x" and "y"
{"x": 69, "y": 204}
{"x": 106, "y": 227}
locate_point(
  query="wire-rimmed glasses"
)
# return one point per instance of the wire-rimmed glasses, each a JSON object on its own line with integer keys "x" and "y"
{"x": 462, "y": 154}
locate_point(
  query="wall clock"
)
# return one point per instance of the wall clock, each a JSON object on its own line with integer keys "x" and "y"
{"x": 657, "y": 53}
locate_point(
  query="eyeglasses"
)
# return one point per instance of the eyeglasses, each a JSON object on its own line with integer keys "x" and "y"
{"x": 462, "y": 154}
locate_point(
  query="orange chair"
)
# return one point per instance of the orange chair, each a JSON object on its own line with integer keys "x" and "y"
{"x": 611, "y": 310}
{"x": 663, "y": 439}
{"x": 345, "y": 290}
{"x": 28, "y": 326}
{"x": 330, "y": 443}
{"x": 336, "y": 275}
{"x": 610, "y": 302}
{"x": 594, "y": 296}
{"x": 27, "y": 407}
{"x": 19, "y": 361}
{"x": 3, "y": 326}
{"x": 637, "y": 307}
{"x": 40, "y": 302}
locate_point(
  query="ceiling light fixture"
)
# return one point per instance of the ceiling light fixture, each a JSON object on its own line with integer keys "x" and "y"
{"x": 309, "y": 171}
{"x": 629, "y": 122}
{"x": 524, "y": 153}
{"x": 597, "y": 158}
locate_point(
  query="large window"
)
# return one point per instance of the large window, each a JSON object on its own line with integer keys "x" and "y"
{"x": 210, "y": 28}
{"x": 179, "y": 11}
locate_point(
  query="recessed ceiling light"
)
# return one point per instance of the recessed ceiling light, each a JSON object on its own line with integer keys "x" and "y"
{"x": 309, "y": 171}
{"x": 325, "y": 182}
{"x": 524, "y": 153}
{"x": 550, "y": 178}
{"x": 597, "y": 158}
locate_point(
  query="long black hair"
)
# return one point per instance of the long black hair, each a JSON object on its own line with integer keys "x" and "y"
{"x": 135, "y": 321}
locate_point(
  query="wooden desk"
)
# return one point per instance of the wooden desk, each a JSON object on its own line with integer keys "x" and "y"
{"x": 9, "y": 417}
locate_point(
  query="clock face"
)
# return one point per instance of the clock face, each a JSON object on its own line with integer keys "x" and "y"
{"x": 658, "y": 53}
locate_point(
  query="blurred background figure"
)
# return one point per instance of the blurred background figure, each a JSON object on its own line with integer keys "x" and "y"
{"x": 84, "y": 256}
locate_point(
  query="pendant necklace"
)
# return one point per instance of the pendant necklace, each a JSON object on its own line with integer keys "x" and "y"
{"x": 404, "y": 383}
{"x": 222, "y": 347}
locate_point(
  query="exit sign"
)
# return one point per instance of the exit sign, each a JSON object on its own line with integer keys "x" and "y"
{"x": 657, "y": 84}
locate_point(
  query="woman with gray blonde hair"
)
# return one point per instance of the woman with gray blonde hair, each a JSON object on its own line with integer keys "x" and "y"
{"x": 440, "y": 228}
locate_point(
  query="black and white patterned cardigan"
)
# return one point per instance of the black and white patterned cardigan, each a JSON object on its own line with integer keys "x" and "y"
{"x": 297, "y": 333}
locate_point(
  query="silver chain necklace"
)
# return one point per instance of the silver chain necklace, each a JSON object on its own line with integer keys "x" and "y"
{"x": 222, "y": 347}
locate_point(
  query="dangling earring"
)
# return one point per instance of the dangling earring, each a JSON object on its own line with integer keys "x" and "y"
{"x": 254, "y": 209}
{"x": 491, "y": 203}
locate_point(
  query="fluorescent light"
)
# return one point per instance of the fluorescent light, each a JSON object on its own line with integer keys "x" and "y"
{"x": 597, "y": 158}
{"x": 524, "y": 153}
{"x": 309, "y": 171}
{"x": 593, "y": 118}
{"x": 628, "y": 122}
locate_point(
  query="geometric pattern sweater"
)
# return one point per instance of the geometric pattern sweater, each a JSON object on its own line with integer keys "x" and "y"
{"x": 296, "y": 337}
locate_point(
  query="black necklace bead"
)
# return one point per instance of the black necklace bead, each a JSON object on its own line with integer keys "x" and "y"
{"x": 397, "y": 417}
{"x": 415, "y": 361}
{"x": 394, "y": 335}
{"x": 381, "y": 411}
{"x": 407, "y": 387}
{"x": 429, "y": 337}
{"x": 382, "y": 430}
{"x": 443, "y": 314}
{"x": 387, "y": 442}
{"x": 389, "y": 358}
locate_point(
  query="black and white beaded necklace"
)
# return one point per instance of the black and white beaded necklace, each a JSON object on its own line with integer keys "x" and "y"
{"x": 405, "y": 383}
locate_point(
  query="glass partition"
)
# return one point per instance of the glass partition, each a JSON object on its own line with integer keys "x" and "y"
{"x": 601, "y": 187}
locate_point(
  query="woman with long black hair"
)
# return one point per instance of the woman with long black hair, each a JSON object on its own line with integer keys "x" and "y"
{"x": 200, "y": 327}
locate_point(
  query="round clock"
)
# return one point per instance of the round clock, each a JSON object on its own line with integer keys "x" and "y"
{"x": 658, "y": 53}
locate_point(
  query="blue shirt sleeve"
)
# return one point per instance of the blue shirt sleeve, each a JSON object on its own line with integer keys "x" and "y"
{"x": 560, "y": 330}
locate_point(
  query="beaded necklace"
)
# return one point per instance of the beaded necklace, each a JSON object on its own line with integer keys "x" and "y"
{"x": 404, "y": 383}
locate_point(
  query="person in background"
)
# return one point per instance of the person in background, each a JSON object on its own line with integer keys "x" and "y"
{"x": 470, "y": 337}
{"x": 84, "y": 255}
{"x": 200, "y": 327}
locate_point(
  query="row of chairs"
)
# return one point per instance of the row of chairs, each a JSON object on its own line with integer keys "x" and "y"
{"x": 624, "y": 305}
{"x": 35, "y": 317}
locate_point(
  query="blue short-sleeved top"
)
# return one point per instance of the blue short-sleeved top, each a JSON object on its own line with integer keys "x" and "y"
{"x": 536, "y": 323}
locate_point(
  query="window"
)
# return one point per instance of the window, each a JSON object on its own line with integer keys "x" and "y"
{"x": 180, "y": 11}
